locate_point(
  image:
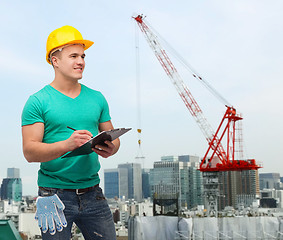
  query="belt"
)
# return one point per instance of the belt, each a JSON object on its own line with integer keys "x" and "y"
{"x": 77, "y": 191}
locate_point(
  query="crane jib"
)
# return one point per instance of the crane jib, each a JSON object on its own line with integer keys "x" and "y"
{"x": 216, "y": 158}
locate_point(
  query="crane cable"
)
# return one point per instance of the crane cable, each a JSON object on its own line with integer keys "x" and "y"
{"x": 179, "y": 58}
{"x": 189, "y": 67}
{"x": 138, "y": 94}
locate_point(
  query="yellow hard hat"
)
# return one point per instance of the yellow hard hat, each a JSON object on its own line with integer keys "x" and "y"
{"x": 64, "y": 36}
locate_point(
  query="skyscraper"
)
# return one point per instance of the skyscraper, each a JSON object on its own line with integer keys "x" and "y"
{"x": 145, "y": 183}
{"x": 134, "y": 180}
{"x": 11, "y": 187}
{"x": 195, "y": 191}
{"x": 237, "y": 186}
{"x": 269, "y": 181}
{"x": 13, "y": 173}
{"x": 116, "y": 183}
{"x": 179, "y": 176}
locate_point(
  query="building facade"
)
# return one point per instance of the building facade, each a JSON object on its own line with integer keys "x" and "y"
{"x": 145, "y": 183}
{"x": 134, "y": 180}
{"x": 116, "y": 183}
{"x": 178, "y": 176}
{"x": 269, "y": 181}
{"x": 125, "y": 182}
{"x": 238, "y": 187}
{"x": 11, "y": 187}
{"x": 13, "y": 173}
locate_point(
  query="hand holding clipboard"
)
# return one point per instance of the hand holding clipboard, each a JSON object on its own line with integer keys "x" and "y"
{"x": 99, "y": 139}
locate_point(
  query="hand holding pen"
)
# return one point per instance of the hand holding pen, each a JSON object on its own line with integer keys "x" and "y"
{"x": 75, "y": 130}
{"x": 71, "y": 128}
{"x": 78, "y": 138}
{"x": 105, "y": 151}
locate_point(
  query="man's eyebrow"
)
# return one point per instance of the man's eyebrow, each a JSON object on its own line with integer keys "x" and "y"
{"x": 77, "y": 54}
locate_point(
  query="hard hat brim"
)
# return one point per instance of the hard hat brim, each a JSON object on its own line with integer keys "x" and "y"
{"x": 86, "y": 43}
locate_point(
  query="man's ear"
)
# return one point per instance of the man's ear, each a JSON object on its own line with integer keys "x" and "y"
{"x": 54, "y": 61}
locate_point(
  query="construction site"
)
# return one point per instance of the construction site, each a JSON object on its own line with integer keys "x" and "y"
{"x": 228, "y": 178}
{"x": 226, "y": 174}
{"x": 169, "y": 228}
{"x": 199, "y": 83}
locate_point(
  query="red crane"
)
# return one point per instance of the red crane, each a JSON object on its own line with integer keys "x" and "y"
{"x": 216, "y": 158}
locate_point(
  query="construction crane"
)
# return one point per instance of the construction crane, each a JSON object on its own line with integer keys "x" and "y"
{"x": 216, "y": 157}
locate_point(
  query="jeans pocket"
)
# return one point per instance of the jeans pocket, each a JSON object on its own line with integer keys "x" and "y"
{"x": 99, "y": 194}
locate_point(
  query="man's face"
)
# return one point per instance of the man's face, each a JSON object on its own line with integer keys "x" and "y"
{"x": 70, "y": 63}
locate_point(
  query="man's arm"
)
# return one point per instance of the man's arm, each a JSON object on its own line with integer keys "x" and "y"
{"x": 37, "y": 151}
{"x": 112, "y": 147}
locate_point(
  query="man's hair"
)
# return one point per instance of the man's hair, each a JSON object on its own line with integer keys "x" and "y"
{"x": 55, "y": 54}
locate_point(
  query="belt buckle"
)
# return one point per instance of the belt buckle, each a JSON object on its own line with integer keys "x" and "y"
{"x": 79, "y": 193}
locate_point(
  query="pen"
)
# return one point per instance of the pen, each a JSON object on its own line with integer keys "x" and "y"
{"x": 75, "y": 130}
{"x": 71, "y": 128}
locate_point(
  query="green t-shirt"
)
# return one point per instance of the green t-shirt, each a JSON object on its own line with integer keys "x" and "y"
{"x": 57, "y": 111}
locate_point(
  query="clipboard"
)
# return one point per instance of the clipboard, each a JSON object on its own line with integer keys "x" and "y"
{"x": 99, "y": 139}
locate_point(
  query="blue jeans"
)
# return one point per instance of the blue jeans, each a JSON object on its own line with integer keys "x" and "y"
{"x": 89, "y": 211}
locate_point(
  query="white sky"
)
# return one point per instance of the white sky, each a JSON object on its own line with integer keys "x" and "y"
{"x": 235, "y": 45}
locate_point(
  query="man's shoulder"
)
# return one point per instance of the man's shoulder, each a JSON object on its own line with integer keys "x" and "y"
{"x": 41, "y": 93}
{"x": 34, "y": 104}
{"x": 92, "y": 91}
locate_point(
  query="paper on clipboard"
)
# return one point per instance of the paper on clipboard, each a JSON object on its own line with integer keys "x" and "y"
{"x": 99, "y": 139}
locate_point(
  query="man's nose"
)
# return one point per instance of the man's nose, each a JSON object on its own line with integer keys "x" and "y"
{"x": 81, "y": 60}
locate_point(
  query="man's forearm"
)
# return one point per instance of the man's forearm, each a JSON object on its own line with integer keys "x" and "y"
{"x": 37, "y": 151}
{"x": 116, "y": 143}
{"x": 44, "y": 152}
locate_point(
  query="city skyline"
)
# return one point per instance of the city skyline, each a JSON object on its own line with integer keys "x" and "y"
{"x": 235, "y": 46}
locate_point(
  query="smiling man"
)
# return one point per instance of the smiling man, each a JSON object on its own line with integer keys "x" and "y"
{"x": 69, "y": 189}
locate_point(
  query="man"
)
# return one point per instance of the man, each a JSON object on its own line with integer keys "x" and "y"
{"x": 71, "y": 182}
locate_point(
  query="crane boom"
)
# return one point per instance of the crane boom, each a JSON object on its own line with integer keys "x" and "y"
{"x": 224, "y": 158}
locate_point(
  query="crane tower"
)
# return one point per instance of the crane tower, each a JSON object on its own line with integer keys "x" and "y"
{"x": 217, "y": 158}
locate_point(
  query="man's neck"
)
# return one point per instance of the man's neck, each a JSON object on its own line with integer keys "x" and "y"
{"x": 70, "y": 88}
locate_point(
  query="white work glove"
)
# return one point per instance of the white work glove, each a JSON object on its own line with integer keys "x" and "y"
{"x": 50, "y": 212}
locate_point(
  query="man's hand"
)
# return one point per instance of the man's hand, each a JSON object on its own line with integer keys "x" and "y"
{"x": 105, "y": 151}
{"x": 112, "y": 147}
{"x": 77, "y": 139}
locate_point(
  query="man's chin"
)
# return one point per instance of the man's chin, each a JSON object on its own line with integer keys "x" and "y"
{"x": 79, "y": 77}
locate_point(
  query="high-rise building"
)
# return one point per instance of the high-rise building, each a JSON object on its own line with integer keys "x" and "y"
{"x": 13, "y": 173}
{"x": 116, "y": 183}
{"x": 11, "y": 187}
{"x": 178, "y": 176}
{"x": 238, "y": 186}
{"x": 169, "y": 158}
{"x": 188, "y": 158}
{"x": 195, "y": 191}
{"x": 125, "y": 182}
{"x": 145, "y": 183}
{"x": 134, "y": 180}
{"x": 269, "y": 181}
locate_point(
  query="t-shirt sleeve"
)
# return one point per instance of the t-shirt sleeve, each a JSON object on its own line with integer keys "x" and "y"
{"x": 105, "y": 115}
{"x": 32, "y": 112}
